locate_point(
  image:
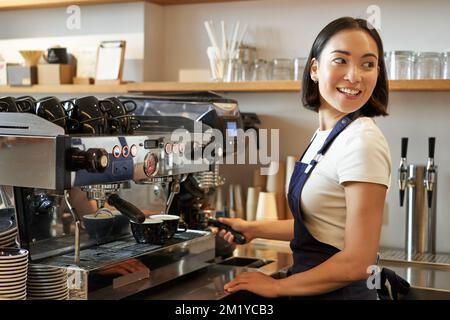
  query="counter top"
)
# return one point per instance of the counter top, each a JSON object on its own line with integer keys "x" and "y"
{"x": 427, "y": 281}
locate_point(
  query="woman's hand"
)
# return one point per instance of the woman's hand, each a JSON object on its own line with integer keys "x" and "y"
{"x": 255, "y": 282}
{"x": 238, "y": 225}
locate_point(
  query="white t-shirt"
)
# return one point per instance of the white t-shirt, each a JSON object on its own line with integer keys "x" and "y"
{"x": 359, "y": 153}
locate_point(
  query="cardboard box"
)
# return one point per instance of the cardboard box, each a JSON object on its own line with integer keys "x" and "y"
{"x": 19, "y": 75}
{"x": 51, "y": 74}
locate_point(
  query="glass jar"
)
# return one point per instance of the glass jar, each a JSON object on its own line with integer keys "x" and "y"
{"x": 260, "y": 70}
{"x": 401, "y": 65}
{"x": 387, "y": 61}
{"x": 428, "y": 65}
{"x": 299, "y": 68}
{"x": 445, "y": 64}
{"x": 281, "y": 69}
{"x": 239, "y": 71}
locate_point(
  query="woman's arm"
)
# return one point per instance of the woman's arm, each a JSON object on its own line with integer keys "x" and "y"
{"x": 275, "y": 230}
{"x": 365, "y": 206}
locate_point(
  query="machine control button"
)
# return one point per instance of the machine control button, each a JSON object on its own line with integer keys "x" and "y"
{"x": 168, "y": 148}
{"x": 133, "y": 150}
{"x": 151, "y": 164}
{"x": 116, "y": 152}
{"x": 125, "y": 151}
{"x": 92, "y": 160}
{"x": 176, "y": 148}
{"x": 182, "y": 147}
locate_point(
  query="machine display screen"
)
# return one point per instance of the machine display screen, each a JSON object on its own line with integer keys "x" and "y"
{"x": 232, "y": 129}
{"x": 150, "y": 144}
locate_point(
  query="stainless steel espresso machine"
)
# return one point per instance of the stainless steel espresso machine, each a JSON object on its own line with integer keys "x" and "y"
{"x": 49, "y": 166}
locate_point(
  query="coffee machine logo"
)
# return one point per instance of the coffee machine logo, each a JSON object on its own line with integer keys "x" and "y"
{"x": 211, "y": 147}
{"x": 73, "y": 22}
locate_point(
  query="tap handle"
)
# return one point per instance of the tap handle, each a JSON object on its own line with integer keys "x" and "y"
{"x": 126, "y": 208}
{"x": 404, "y": 147}
{"x": 431, "y": 144}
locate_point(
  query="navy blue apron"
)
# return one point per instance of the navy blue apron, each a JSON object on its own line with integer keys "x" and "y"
{"x": 308, "y": 252}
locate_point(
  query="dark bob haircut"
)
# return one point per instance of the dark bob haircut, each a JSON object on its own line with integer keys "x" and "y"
{"x": 377, "y": 103}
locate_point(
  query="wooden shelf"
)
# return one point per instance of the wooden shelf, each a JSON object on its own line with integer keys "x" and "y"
{"x": 64, "y": 88}
{"x": 34, "y": 4}
{"x": 256, "y": 86}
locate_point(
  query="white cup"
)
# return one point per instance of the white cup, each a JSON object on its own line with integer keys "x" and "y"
{"x": 267, "y": 206}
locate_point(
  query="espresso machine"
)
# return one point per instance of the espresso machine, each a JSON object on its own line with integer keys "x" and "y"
{"x": 48, "y": 166}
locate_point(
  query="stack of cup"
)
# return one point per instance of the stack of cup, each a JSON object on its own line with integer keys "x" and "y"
{"x": 267, "y": 206}
{"x": 252, "y": 202}
{"x": 276, "y": 184}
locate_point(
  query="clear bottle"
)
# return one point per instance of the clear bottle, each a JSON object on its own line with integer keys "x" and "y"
{"x": 401, "y": 65}
{"x": 445, "y": 64}
{"x": 281, "y": 69}
{"x": 428, "y": 65}
{"x": 299, "y": 68}
{"x": 387, "y": 61}
{"x": 260, "y": 70}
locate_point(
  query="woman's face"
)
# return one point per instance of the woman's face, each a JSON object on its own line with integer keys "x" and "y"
{"x": 347, "y": 70}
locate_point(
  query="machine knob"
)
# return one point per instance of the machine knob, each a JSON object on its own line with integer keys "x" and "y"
{"x": 92, "y": 160}
{"x": 151, "y": 164}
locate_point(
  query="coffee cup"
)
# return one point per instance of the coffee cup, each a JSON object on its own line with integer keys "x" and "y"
{"x": 119, "y": 119}
{"x": 151, "y": 231}
{"x": 52, "y": 109}
{"x": 99, "y": 225}
{"x": 90, "y": 113}
{"x": 172, "y": 223}
{"x": 11, "y": 104}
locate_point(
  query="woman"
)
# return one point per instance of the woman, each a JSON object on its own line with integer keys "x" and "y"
{"x": 338, "y": 188}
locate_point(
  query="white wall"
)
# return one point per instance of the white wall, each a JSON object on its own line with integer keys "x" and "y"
{"x": 39, "y": 29}
{"x": 278, "y": 28}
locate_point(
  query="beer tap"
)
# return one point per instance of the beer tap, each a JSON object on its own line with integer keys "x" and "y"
{"x": 403, "y": 171}
{"x": 430, "y": 172}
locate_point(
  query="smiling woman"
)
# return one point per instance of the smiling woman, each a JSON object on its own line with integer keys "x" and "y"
{"x": 338, "y": 187}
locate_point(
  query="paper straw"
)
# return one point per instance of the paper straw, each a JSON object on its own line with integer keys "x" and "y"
{"x": 244, "y": 30}
{"x": 211, "y": 36}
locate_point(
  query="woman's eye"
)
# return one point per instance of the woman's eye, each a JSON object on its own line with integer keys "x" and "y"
{"x": 339, "y": 60}
{"x": 369, "y": 65}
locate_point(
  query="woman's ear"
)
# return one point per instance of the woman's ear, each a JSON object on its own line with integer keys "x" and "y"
{"x": 313, "y": 70}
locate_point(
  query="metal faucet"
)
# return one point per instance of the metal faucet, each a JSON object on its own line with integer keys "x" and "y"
{"x": 403, "y": 171}
{"x": 429, "y": 183}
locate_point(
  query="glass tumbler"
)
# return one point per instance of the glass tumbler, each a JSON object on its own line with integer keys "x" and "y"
{"x": 402, "y": 65}
{"x": 260, "y": 70}
{"x": 281, "y": 69}
{"x": 428, "y": 65}
{"x": 299, "y": 68}
{"x": 445, "y": 63}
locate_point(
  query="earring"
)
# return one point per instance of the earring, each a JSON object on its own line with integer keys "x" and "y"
{"x": 315, "y": 81}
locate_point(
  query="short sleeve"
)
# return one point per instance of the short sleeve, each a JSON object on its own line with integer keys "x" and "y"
{"x": 365, "y": 157}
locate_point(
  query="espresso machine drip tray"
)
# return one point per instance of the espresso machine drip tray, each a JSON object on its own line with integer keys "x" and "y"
{"x": 399, "y": 255}
{"x": 99, "y": 256}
